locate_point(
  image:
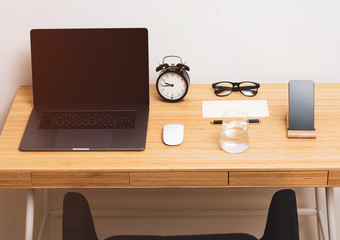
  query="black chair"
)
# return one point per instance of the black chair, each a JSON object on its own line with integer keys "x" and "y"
{"x": 282, "y": 222}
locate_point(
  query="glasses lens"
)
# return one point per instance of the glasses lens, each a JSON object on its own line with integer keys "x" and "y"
{"x": 248, "y": 89}
{"x": 223, "y": 89}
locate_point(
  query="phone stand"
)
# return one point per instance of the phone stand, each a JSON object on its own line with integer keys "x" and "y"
{"x": 299, "y": 133}
{"x": 300, "y": 117}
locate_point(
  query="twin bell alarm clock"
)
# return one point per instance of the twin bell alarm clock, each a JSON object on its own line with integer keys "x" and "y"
{"x": 173, "y": 81}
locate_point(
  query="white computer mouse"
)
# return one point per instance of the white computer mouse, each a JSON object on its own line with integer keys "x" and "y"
{"x": 173, "y": 134}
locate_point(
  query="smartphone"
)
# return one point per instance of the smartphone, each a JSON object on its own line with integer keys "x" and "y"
{"x": 301, "y": 105}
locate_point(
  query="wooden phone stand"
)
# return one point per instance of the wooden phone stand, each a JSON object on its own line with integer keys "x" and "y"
{"x": 299, "y": 133}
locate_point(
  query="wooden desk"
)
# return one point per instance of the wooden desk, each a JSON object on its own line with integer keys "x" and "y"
{"x": 272, "y": 160}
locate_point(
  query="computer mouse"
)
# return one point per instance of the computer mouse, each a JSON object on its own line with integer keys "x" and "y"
{"x": 173, "y": 134}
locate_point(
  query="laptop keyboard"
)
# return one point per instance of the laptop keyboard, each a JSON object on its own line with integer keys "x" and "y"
{"x": 88, "y": 120}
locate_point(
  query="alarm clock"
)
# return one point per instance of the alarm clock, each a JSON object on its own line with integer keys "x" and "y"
{"x": 173, "y": 80}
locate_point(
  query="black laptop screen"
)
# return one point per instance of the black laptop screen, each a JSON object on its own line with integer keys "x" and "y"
{"x": 90, "y": 67}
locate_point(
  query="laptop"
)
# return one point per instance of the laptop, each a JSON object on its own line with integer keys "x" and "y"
{"x": 90, "y": 90}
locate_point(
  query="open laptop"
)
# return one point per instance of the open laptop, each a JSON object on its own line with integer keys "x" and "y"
{"x": 90, "y": 90}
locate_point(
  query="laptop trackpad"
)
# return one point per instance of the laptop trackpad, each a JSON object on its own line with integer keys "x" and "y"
{"x": 83, "y": 138}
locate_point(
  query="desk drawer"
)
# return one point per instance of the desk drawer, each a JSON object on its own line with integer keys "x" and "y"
{"x": 80, "y": 180}
{"x": 179, "y": 179}
{"x": 278, "y": 179}
{"x": 15, "y": 180}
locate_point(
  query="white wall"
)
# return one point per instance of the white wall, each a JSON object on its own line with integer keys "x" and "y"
{"x": 263, "y": 40}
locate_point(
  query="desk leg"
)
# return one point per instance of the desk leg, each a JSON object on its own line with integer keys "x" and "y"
{"x": 29, "y": 214}
{"x": 46, "y": 214}
{"x": 331, "y": 213}
{"x": 322, "y": 223}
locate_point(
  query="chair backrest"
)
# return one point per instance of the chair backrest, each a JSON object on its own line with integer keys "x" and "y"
{"x": 77, "y": 218}
{"x": 282, "y": 220}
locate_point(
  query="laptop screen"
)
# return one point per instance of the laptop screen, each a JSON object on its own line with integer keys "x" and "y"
{"x": 90, "y": 67}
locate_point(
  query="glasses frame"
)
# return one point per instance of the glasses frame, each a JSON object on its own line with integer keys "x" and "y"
{"x": 236, "y": 87}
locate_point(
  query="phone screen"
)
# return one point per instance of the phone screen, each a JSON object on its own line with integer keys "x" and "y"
{"x": 301, "y": 105}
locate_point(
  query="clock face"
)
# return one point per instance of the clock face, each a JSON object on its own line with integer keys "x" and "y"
{"x": 172, "y": 86}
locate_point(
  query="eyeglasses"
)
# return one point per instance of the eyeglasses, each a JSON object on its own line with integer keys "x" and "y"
{"x": 247, "y": 88}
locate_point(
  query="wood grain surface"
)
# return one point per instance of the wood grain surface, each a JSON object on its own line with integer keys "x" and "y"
{"x": 79, "y": 180}
{"x": 15, "y": 179}
{"x": 269, "y": 150}
{"x": 334, "y": 178}
{"x": 279, "y": 179}
{"x": 179, "y": 179}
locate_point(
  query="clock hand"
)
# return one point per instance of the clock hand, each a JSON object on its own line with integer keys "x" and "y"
{"x": 167, "y": 85}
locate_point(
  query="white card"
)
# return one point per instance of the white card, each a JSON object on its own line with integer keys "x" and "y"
{"x": 254, "y": 108}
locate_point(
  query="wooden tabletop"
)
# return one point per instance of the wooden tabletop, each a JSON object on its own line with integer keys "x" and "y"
{"x": 269, "y": 151}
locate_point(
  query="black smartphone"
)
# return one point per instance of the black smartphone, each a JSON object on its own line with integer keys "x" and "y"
{"x": 301, "y": 105}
